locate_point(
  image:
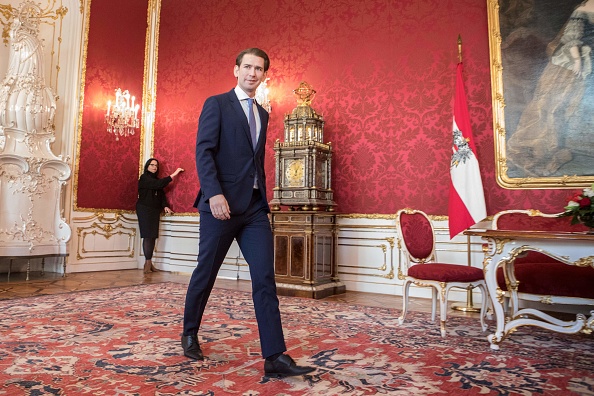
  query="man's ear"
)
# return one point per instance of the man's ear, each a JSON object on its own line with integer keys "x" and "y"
{"x": 236, "y": 71}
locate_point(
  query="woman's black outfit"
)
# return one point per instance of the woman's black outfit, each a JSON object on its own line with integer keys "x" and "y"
{"x": 150, "y": 204}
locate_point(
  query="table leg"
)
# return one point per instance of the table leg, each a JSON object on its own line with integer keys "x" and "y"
{"x": 28, "y": 268}
{"x": 42, "y": 266}
{"x": 496, "y": 300}
{"x": 9, "y": 268}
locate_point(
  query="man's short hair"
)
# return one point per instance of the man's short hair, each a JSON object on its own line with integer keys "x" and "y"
{"x": 253, "y": 51}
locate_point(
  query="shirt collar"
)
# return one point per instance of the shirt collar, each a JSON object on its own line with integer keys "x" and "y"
{"x": 241, "y": 95}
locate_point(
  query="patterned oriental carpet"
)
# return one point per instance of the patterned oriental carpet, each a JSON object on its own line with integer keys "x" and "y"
{"x": 126, "y": 341}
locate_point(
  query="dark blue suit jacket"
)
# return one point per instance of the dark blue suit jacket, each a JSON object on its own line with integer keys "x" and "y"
{"x": 225, "y": 158}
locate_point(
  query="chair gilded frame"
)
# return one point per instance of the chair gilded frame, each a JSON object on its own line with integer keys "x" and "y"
{"x": 416, "y": 239}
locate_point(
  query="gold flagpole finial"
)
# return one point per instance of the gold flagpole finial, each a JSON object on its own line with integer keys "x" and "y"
{"x": 459, "y": 48}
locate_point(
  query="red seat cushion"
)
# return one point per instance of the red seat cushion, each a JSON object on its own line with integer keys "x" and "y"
{"x": 541, "y": 274}
{"x": 446, "y": 272}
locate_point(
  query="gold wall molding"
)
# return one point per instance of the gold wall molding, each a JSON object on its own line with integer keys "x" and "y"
{"x": 148, "y": 96}
{"x": 149, "y": 87}
{"x": 379, "y": 216}
{"x": 105, "y": 236}
{"x": 385, "y": 245}
{"x": 83, "y": 73}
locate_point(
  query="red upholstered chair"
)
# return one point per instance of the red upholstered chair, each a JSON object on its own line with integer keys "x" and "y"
{"x": 417, "y": 241}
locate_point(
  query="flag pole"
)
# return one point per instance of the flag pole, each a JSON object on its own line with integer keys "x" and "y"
{"x": 469, "y": 307}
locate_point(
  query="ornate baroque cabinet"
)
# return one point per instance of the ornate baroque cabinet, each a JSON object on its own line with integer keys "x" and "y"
{"x": 305, "y": 254}
{"x": 305, "y": 237}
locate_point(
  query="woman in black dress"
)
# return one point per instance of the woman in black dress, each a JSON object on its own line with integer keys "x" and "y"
{"x": 151, "y": 202}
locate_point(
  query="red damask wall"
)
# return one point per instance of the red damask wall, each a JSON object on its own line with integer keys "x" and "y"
{"x": 108, "y": 169}
{"x": 384, "y": 72}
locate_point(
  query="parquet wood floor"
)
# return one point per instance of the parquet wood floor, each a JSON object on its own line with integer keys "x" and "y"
{"x": 52, "y": 283}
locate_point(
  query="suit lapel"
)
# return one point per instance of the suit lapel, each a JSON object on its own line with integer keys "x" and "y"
{"x": 263, "y": 126}
{"x": 240, "y": 114}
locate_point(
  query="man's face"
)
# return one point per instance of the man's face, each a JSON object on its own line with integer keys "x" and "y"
{"x": 250, "y": 73}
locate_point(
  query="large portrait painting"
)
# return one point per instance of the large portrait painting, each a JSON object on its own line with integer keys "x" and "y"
{"x": 543, "y": 92}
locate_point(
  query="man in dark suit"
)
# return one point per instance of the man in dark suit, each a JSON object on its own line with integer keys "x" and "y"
{"x": 232, "y": 204}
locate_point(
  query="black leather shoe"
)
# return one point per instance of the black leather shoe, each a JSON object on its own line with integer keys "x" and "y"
{"x": 192, "y": 347}
{"x": 284, "y": 366}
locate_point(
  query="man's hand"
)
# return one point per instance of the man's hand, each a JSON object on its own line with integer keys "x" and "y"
{"x": 219, "y": 207}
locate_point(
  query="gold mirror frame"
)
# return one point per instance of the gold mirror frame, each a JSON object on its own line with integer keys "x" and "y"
{"x": 148, "y": 95}
{"x": 499, "y": 131}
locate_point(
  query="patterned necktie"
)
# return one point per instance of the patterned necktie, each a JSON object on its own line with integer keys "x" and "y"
{"x": 252, "y": 121}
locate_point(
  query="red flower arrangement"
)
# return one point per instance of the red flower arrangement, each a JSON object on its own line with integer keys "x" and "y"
{"x": 580, "y": 208}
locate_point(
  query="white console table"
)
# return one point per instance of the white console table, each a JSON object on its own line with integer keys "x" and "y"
{"x": 503, "y": 247}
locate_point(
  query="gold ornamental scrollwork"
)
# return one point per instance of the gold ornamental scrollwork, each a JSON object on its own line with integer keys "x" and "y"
{"x": 390, "y": 274}
{"x": 48, "y": 15}
{"x": 384, "y": 266}
{"x": 486, "y": 261}
{"x": 585, "y": 262}
{"x": 421, "y": 284}
{"x": 100, "y": 216}
{"x": 108, "y": 230}
{"x": 589, "y": 325}
{"x": 500, "y": 243}
{"x": 500, "y": 295}
{"x": 442, "y": 287}
{"x": 6, "y": 12}
{"x": 106, "y": 226}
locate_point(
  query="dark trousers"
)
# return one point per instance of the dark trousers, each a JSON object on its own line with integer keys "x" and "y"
{"x": 254, "y": 236}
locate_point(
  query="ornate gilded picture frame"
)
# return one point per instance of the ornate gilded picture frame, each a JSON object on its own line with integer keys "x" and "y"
{"x": 543, "y": 92}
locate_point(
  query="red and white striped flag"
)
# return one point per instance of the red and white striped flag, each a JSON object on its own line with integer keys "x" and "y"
{"x": 467, "y": 199}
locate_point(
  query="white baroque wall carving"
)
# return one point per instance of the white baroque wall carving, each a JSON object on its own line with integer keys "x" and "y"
{"x": 32, "y": 178}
